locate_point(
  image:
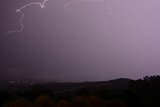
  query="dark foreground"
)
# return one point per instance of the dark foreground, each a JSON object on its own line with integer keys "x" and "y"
{"x": 115, "y": 93}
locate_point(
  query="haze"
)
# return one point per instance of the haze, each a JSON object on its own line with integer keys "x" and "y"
{"x": 86, "y": 41}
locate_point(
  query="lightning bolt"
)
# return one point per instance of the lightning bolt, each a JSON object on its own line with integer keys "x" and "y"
{"x": 142, "y": 25}
{"x": 42, "y": 4}
{"x": 108, "y": 7}
{"x": 74, "y": 1}
{"x": 150, "y": 33}
{"x": 20, "y": 11}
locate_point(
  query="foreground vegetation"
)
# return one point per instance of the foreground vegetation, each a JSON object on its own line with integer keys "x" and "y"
{"x": 79, "y": 101}
{"x": 117, "y": 93}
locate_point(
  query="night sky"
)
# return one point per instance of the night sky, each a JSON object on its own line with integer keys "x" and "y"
{"x": 80, "y": 40}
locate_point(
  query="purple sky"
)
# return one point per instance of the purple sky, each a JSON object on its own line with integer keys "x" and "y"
{"x": 81, "y": 40}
